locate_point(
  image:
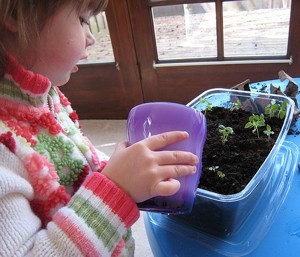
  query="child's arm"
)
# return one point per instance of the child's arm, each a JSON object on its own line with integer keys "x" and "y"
{"x": 94, "y": 223}
{"x": 99, "y": 215}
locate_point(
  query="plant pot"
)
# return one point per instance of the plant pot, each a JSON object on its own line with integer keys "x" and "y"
{"x": 224, "y": 215}
{"x": 176, "y": 237}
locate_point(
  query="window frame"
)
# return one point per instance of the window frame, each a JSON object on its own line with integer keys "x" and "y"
{"x": 220, "y": 59}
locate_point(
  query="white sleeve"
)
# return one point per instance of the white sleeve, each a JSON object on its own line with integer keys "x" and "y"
{"x": 18, "y": 223}
{"x": 102, "y": 156}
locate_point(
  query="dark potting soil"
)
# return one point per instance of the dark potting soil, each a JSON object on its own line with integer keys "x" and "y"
{"x": 240, "y": 157}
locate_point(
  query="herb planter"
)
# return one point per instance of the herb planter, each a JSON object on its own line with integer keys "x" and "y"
{"x": 170, "y": 235}
{"x": 223, "y": 213}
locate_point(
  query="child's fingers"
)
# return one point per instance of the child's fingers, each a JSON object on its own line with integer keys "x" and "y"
{"x": 167, "y": 185}
{"x": 159, "y": 141}
{"x": 166, "y": 188}
{"x": 176, "y": 157}
{"x": 121, "y": 145}
{"x": 175, "y": 171}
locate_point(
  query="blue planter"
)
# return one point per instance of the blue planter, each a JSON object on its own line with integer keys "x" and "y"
{"x": 231, "y": 225}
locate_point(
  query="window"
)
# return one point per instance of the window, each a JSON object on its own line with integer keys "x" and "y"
{"x": 185, "y": 31}
{"x": 221, "y": 30}
{"x": 260, "y": 29}
{"x": 102, "y": 50}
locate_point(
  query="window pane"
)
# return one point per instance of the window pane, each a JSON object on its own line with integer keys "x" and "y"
{"x": 185, "y": 31}
{"x": 102, "y": 50}
{"x": 256, "y": 27}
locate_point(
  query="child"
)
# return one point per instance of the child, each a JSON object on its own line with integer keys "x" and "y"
{"x": 57, "y": 198}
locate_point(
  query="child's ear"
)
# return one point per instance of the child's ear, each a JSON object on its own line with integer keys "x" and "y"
{"x": 11, "y": 24}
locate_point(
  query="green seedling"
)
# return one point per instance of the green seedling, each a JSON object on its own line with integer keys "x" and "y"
{"x": 282, "y": 110}
{"x": 213, "y": 168}
{"x": 268, "y": 132}
{"x": 219, "y": 173}
{"x": 271, "y": 108}
{"x": 236, "y": 106}
{"x": 256, "y": 121}
{"x": 208, "y": 104}
{"x": 225, "y": 132}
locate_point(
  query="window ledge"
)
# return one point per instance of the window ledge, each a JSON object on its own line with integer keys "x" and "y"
{"x": 179, "y": 64}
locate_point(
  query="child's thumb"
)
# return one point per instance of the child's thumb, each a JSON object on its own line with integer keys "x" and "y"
{"x": 122, "y": 145}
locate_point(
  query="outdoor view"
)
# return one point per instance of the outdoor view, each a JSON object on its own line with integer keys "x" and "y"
{"x": 250, "y": 28}
{"x": 102, "y": 50}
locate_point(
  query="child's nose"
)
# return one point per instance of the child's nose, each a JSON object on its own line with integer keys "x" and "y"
{"x": 90, "y": 39}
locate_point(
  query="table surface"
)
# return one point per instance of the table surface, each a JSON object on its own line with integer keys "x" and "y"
{"x": 282, "y": 239}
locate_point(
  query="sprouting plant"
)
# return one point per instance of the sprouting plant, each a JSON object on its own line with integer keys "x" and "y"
{"x": 255, "y": 121}
{"x": 225, "y": 132}
{"x": 268, "y": 131}
{"x": 213, "y": 168}
{"x": 282, "y": 110}
{"x": 208, "y": 104}
{"x": 236, "y": 106}
{"x": 271, "y": 108}
{"x": 219, "y": 173}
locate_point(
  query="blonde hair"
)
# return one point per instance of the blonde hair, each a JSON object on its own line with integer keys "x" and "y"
{"x": 31, "y": 16}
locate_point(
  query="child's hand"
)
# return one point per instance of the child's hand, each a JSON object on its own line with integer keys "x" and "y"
{"x": 142, "y": 172}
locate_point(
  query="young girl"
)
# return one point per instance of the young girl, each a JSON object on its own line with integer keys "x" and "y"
{"x": 57, "y": 198}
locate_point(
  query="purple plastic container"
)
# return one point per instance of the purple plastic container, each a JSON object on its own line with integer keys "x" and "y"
{"x": 154, "y": 118}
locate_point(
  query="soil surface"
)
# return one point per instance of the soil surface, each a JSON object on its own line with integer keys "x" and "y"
{"x": 240, "y": 157}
